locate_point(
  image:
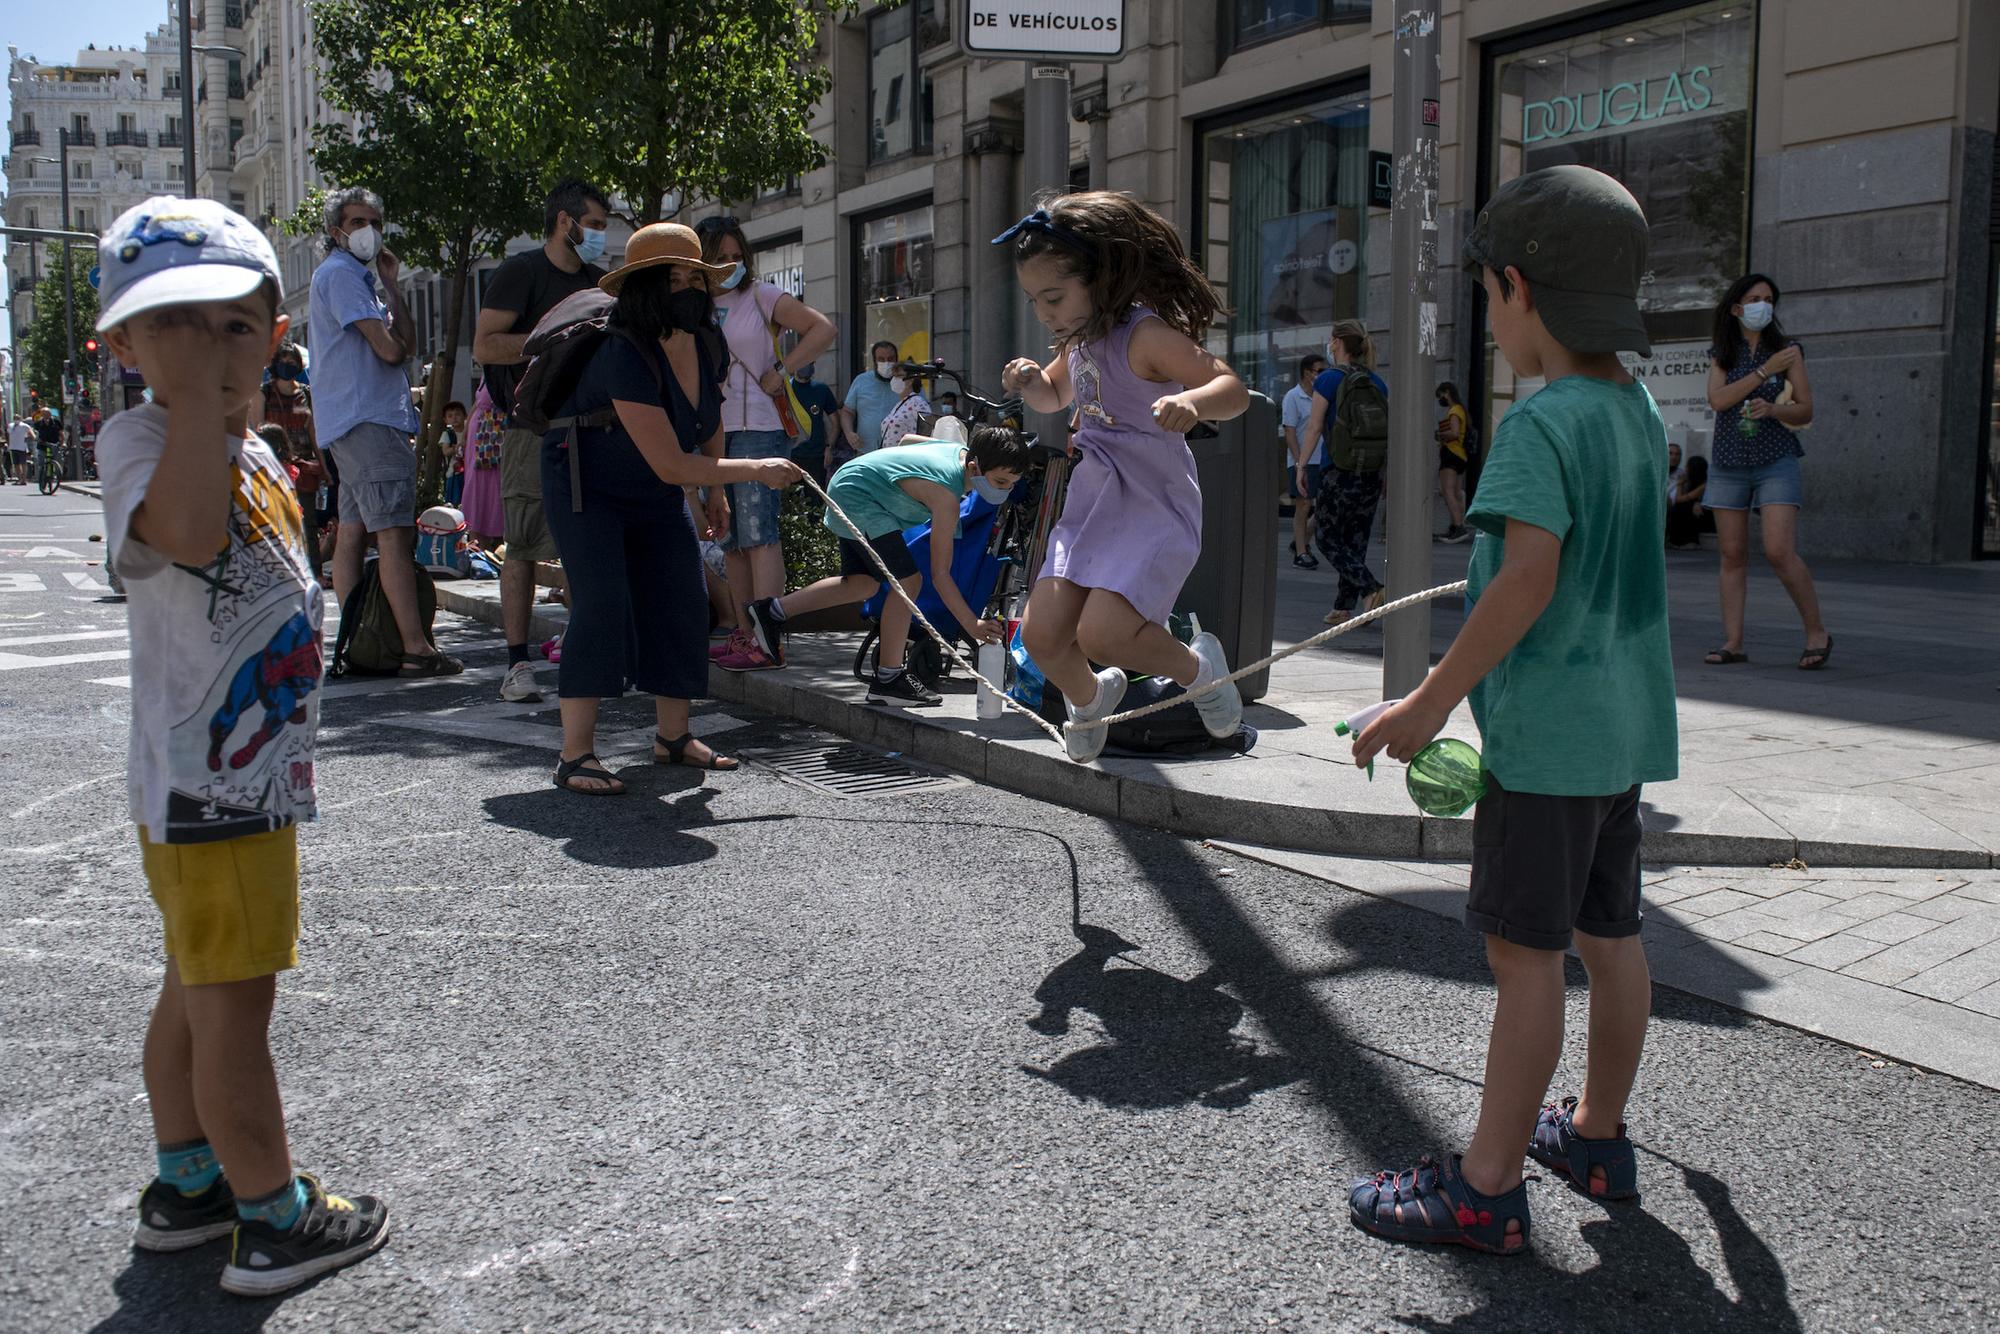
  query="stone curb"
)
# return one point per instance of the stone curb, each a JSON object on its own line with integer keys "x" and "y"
{"x": 997, "y": 756}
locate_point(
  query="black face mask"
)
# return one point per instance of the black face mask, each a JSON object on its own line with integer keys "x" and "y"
{"x": 283, "y": 371}
{"x": 691, "y": 309}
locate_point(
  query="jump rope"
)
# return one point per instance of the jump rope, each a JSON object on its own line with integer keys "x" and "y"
{"x": 1159, "y": 706}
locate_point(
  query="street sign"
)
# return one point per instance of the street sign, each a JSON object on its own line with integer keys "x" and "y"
{"x": 1090, "y": 30}
{"x": 93, "y": 276}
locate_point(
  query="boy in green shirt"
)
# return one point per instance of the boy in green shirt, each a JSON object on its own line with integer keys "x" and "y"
{"x": 1565, "y": 658}
{"x": 885, "y": 492}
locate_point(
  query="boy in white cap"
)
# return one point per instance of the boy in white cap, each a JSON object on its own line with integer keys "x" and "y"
{"x": 203, "y": 525}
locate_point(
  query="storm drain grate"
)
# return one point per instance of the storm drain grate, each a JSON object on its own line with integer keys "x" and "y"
{"x": 850, "y": 771}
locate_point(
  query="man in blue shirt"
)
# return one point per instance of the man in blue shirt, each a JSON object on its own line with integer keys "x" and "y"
{"x": 869, "y": 399}
{"x": 816, "y": 453}
{"x": 364, "y": 416}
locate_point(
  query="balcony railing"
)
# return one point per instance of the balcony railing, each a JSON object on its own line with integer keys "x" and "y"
{"x": 27, "y": 139}
{"x": 170, "y": 138}
{"x": 171, "y": 90}
{"x": 83, "y": 138}
{"x": 125, "y": 138}
{"x": 232, "y": 16}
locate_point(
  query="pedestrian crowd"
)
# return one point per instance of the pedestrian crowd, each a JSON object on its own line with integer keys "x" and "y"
{"x": 641, "y": 423}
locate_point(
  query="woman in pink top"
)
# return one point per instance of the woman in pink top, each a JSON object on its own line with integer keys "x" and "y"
{"x": 746, "y": 524}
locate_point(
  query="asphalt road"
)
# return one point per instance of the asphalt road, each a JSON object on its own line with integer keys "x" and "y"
{"x": 741, "y": 1055}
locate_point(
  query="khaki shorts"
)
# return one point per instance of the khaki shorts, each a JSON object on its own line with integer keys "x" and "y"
{"x": 231, "y": 907}
{"x": 527, "y": 531}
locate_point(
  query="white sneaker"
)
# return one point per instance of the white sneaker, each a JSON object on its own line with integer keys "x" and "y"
{"x": 1086, "y": 745}
{"x": 520, "y": 687}
{"x": 1221, "y": 710}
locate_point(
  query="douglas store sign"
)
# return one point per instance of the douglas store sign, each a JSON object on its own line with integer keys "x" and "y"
{"x": 1679, "y": 93}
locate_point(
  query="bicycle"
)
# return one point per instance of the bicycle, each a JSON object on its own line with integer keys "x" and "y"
{"x": 48, "y": 470}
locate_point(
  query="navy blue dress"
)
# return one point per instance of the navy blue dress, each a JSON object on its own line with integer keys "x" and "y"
{"x": 638, "y": 600}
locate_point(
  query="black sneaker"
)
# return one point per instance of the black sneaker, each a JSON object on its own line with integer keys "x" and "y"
{"x": 767, "y": 629}
{"x": 330, "y": 1233}
{"x": 171, "y": 1221}
{"x": 905, "y": 689}
{"x": 1458, "y": 532}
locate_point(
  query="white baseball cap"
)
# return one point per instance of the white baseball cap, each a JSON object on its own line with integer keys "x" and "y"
{"x": 171, "y": 252}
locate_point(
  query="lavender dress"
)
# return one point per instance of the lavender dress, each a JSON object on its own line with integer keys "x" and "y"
{"x": 1131, "y": 520}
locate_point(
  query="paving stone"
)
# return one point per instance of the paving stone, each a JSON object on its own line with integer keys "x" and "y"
{"x": 1942, "y": 942}
{"x": 1913, "y": 887}
{"x": 1734, "y": 925}
{"x": 1891, "y": 928}
{"x": 1986, "y": 1000}
{"x": 1716, "y": 902}
{"x": 1799, "y": 903}
{"x": 1804, "y": 926}
{"x": 1984, "y": 891}
{"x": 1764, "y": 942}
{"x": 1835, "y": 952}
{"x": 1960, "y": 976}
{"x": 1943, "y": 908}
{"x": 1862, "y": 907}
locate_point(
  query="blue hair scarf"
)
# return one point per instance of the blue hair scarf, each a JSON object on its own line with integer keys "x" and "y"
{"x": 1040, "y": 222}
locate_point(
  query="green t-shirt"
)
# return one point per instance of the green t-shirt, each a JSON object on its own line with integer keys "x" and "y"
{"x": 869, "y": 489}
{"x": 1584, "y": 705}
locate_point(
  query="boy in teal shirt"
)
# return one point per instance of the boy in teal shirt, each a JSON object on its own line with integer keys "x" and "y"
{"x": 884, "y": 493}
{"x": 1564, "y": 656}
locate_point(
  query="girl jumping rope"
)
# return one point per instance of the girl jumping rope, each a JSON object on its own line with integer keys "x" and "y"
{"x": 1109, "y": 278}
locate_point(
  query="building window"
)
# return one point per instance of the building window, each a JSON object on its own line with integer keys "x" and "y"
{"x": 783, "y": 263}
{"x": 1281, "y": 229}
{"x": 899, "y": 91}
{"x": 1252, "y": 22}
{"x": 893, "y": 278}
{"x": 80, "y": 170}
{"x": 1663, "y": 105}
{"x": 27, "y": 169}
{"x": 235, "y": 130}
{"x": 86, "y": 219}
{"x": 79, "y": 126}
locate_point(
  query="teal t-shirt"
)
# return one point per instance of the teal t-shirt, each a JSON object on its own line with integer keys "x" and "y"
{"x": 1584, "y": 705}
{"x": 869, "y": 489}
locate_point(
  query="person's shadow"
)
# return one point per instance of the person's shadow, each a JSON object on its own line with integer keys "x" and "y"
{"x": 1168, "y": 1040}
{"x": 646, "y": 829}
{"x": 1646, "y": 1279}
{"x": 177, "y": 1294}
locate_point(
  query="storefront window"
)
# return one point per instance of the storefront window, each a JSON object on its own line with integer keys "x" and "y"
{"x": 783, "y": 263}
{"x": 1662, "y": 104}
{"x": 899, "y": 90}
{"x": 1248, "y": 22}
{"x": 894, "y": 274}
{"x": 1282, "y": 233}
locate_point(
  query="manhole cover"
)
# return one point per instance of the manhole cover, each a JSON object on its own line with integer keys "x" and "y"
{"x": 850, "y": 771}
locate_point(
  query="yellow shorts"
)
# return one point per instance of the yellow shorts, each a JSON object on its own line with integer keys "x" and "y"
{"x": 231, "y": 907}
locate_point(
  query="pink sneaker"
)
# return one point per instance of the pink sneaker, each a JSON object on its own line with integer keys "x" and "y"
{"x": 729, "y": 647}
{"x": 750, "y": 659}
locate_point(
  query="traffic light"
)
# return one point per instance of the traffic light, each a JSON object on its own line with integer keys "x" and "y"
{"x": 90, "y": 346}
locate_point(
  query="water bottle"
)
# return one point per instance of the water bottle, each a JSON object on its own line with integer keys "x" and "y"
{"x": 1446, "y": 778}
{"x": 991, "y": 662}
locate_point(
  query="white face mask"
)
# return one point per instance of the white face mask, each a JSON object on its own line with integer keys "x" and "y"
{"x": 885, "y": 368}
{"x": 1756, "y": 315}
{"x": 365, "y": 244}
{"x": 898, "y": 385}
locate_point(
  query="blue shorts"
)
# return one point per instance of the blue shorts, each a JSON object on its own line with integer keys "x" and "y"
{"x": 1774, "y": 483}
{"x": 753, "y": 507}
{"x": 1314, "y": 472}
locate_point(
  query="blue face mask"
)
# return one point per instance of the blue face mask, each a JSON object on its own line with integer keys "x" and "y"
{"x": 590, "y": 246}
{"x": 991, "y": 492}
{"x": 735, "y": 278}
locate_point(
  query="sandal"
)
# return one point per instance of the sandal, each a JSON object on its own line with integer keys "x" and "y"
{"x": 569, "y": 769}
{"x": 417, "y": 665}
{"x": 1432, "y": 1203}
{"x": 1557, "y": 1146}
{"x": 677, "y": 754}
{"x": 1723, "y": 657}
{"x": 1815, "y": 658}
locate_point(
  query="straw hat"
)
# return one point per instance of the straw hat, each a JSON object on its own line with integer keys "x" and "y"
{"x": 657, "y": 244}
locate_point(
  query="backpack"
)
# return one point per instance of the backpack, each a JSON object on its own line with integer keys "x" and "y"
{"x": 1357, "y": 436}
{"x": 1177, "y": 731}
{"x": 369, "y": 642}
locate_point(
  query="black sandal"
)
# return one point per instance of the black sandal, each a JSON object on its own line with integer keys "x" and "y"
{"x": 1815, "y": 658}
{"x": 677, "y": 754}
{"x": 418, "y": 665}
{"x": 568, "y": 769}
{"x": 1723, "y": 657}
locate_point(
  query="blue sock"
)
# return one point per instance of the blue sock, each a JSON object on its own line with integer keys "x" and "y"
{"x": 280, "y": 1209}
{"x": 189, "y": 1167}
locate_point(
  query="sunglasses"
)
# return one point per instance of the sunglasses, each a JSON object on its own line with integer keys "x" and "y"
{"x": 708, "y": 227}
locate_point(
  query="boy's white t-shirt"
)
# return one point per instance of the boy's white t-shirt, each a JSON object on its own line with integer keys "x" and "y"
{"x": 226, "y": 659}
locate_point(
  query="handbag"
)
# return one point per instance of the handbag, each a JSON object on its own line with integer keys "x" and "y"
{"x": 792, "y": 415}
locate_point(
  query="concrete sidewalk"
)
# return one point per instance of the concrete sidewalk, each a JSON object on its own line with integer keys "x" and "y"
{"x": 1889, "y": 757}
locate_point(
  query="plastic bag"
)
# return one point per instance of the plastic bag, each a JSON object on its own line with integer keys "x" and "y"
{"x": 1026, "y": 686}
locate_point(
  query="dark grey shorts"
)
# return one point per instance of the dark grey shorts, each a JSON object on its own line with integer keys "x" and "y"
{"x": 1543, "y": 866}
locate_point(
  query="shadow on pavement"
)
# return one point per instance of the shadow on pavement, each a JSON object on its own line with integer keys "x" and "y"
{"x": 178, "y": 1294}
{"x": 638, "y": 831}
{"x": 1646, "y": 1279}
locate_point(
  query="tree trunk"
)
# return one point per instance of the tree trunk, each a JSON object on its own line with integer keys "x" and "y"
{"x": 437, "y": 392}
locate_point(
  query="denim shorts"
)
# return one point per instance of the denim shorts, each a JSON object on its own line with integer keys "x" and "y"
{"x": 1774, "y": 483}
{"x": 753, "y": 507}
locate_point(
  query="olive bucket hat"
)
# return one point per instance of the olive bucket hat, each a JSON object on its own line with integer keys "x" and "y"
{"x": 1579, "y": 238}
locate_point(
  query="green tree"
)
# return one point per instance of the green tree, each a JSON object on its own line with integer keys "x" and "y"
{"x": 44, "y": 344}
{"x": 444, "y": 95}
{"x": 706, "y": 101}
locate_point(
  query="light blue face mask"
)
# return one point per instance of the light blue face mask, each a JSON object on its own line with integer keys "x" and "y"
{"x": 591, "y": 246}
{"x": 735, "y": 278}
{"x": 991, "y": 492}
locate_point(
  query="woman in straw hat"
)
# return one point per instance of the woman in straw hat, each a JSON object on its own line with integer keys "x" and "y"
{"x": 638, "y": 602}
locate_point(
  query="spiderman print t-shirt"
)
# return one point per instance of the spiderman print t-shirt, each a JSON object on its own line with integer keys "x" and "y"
{"x": 225, "y": 656}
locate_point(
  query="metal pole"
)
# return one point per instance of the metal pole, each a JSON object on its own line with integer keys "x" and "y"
{"x": 1045, "y": 169}
{"x": 70, "y": 434}
{"x": 187, "y": 99}
{"x": 1406, "y": 637}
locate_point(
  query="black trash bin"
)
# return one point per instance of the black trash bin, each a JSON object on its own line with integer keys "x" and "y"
{"x": 1234, "y": 587}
